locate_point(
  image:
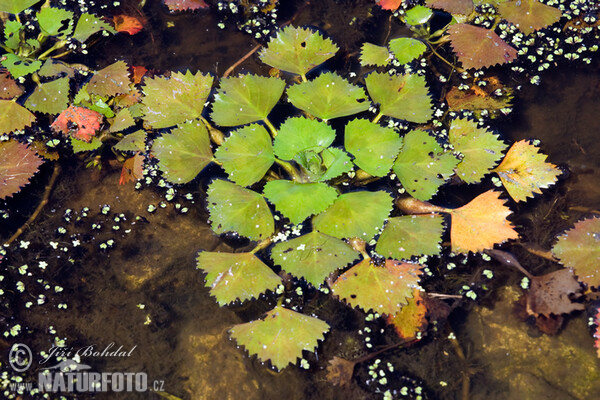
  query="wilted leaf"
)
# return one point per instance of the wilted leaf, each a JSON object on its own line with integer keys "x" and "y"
{"x": 184, "y": 5}
{"x": 126, "y": 23}
{"x": 110, "y": 81}
{"x": 235, "y": 209}
{"x": 8, "y": 87}
{"x": 18, "y": 163}
{"x": 410, "y": 320}
{"x": 400, "y": 96}
{"x": 55, "y": 21}
{"x": 579, "y": 248}
{"x": 280, "y": 336}
{"x": 87, "y": 25}
{"x": 297, "y": 50}
{"x": 478, "y": 47}
{"x": 463, "y": 7}
{"x": 524, "y": 172}
{"x": 121, "y": 121}
{"x": 472, "y": 100}
{"x": 529, "y": 15}
{"x": 554, "y": 293}
{"x": 356, "y": 214}
{"x": 138, "y": 73}
{"x": 135, "y": 141}
{"x": 18, "y": 66}
{"x": 383, "y": 289}
{"x": 80, "y": 122}
{"x": 81, "y": 145}
{"x": 236, "y": 276}
{"x": 50, "y": 97}
{"x": 407, "y": 49}
{"x": 340, "y": 371}
{"x": 374, "y": 55}
{"x": 298, "y": 134}
{"x": 391, "y": 5}
{"x": 14, "y": 117}
{"x": 133, "y": 169}
{"x": 184, "y": 152}
{"x": 411, "y": 235}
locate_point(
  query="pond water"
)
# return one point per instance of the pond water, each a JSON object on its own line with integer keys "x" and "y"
{"x": 144, "y": 293}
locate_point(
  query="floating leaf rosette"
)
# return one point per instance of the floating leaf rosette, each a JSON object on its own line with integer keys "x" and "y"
{"x": 411, "y": 235}
{"x": 478, "y": 47}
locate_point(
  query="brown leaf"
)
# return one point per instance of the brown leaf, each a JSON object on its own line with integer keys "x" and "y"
{"x": 183, "y": 5}
{"x": 18, "y": 163}
{"x": 132, "y": 169}
{"x": 340, "y": 371}
{"x": 463, "y": 7}
{"x": 529, "y": 15}
{"x": 479, "y": 47}
{"x": 110, "y": 81}
{"x": 8, "y": 87}
{"x": 125, "y": 23}
{"x": 553, "y": 293}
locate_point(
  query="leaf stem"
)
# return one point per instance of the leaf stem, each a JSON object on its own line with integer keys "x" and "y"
{"x": 58, "y": 45}
{"x": 443, "y": 59}
{"x": 271, "y": 127}
{"x": 377, "y": 117}
{"x": 290, "y": 169}
{"x": 263, "y": 244}
{"x": 303, "y": 76}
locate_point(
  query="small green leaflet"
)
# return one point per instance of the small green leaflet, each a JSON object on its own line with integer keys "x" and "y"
{"x": 89, "y": 24}
{"x": 246, "y": 98}
{"x": 374, "y": 147}
{"x": 298, "y": 134}
{"x": 18, "y": 66}
{"x": 481, "y": 149}
{"x": 297, "y": 50}
{"x": 12, "y": 30}
{"x": 328, "y": 96}
{"x": 356, "y": 214}
{"x": 14, "y": 117}
{"x": 401, "y": 96}
{"x": 313, "y": 256}
{"x": 422, "y": 165}
{"x": 411, "y": 235}
{"x": 110, "y": 81}
{"x": 122, "y": 121}
{"x": 236, "y": 276}
{"x": 298, "y": 201}
{"x": 336, "y": 162}
{"x": 407, "y": 49}
{"x": 235, "y": 209}
{"x": 170, "y": 101}
{"x": 247, "y": 154}
{"x": 50, "y": 97}
{"x": 184, "y": 152}
{"x": 135, "y": 141}
{"x": 280, "y": 336}
{"x": 374, "y": 55}
{"x": 55, "y": 21}
{"x": 384, "y": 289}
{"x": 81, "y": 145}
{"x": 16, "y": 6}
{"x": 418, "y": 15}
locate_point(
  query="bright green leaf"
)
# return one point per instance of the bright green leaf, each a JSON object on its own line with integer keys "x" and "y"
{"x": 407, "y": 49}
{"x": 14, "y": 117}
{"x": 336, "y": 162}
{"x": 51, "y": 97}
{"x": 81, "y": 145}
{"x": 18, "y": 66}
{"x": 110, "y": 81}
{"x": 135, "y": 141}
{"x": 122, "y": 121}
{"x": 298, "y": 134}
{"x": 15, "y": 6}
{"x": 89, "y": 24}
{"x": 418, "y": 15}
{"x": 374, "y": 55}
{"x": 12, "y": 30}
{"x": 411, "y": 235}
{"x": 55, "y": 21}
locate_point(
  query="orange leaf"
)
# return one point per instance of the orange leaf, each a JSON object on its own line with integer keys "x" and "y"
{"x": 481, "y": 224}
{"x": 132, "y": 169}
{"x": 411, "y": 319}
{"x": 125, "y": 23}
{"x": 391, "y": 5}
{"x": 138, "y": 73}
{"x": 81, "y": 122}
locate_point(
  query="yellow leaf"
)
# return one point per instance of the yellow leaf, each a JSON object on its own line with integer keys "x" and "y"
{"x": 411, "y": 318}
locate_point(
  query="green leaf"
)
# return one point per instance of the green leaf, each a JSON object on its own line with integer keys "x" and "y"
{"x": 171, "y": 100}
{"x": 51, "y": 97}
{"x": 55, "y": 21}
{"x": 422, "y": 166}
{"x": 336, "y": 162}
{"x": 236, "y": 276}
{"x": 14, "y": 117}
{"x": 15, "y": 6}
{"x": 384, "y": 289}
{"x": 81, "y": 145}
{"x": 297, "y": 50}
{"x": 374, "y": 55}
{"x": 184, "y": 152}
{"x": 400, "y": 96}
{"x": 18, "y": 66}
{"x": 246, "y": 98}
{"x": 328, "y": 96}
{"x": 12, "y": 30}
{"x": 411, "y": 235}
{"x": 135, "y": 141}
{"x": 89, "y": 24}
{"x": 313, "y": 256}
{"x": 110, "y": 81}
{"x": 374, "y": 147}
{"x": 418, "y": 15}
{"x": 247, "y": 154}
{"x": 407, "y": 49}
{"x": 298, "y": 134}
{"x": 481, "y": 149}
{"x": 280, "y": 336}
{"x": 53, "y": 68}
{"x": 235, "y": 209}
{"x": 122, "y": 121}
{"x": 356, "y": 214}
{"x": 298, "y": 201}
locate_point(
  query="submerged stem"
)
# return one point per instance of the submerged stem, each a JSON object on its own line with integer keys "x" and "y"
{"x": 290, "y": 169}
{"x": 443, "y": 59}
{"x": 271, "y": 127}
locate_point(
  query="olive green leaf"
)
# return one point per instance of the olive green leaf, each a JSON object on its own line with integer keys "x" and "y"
{"x": 110, "y": 81}
{"x": 481, "y": 149}
{"x": 298, "y": 134}
{"x": 122, "y": 121}
{"x": 328, "y": 96}
{"x": 236, "y": 276}
{"x": 384, "y": 289}
{"x": 16, "y": 6}
{"x": 55, "y": 21}
{"x": 53, "y": 68}
{"x": 411, "y": 235}
{"x": 298, "y": 201}
{"x": 418, "y": 15}
{"x": 407, "y": 49}
{"x": 88, "y": 24}
{"x": 247, "y": 154}
{"x": 135, "y": 141}
{"x": 14, "y": 116}
{"x": 235, "y": 209}
{"x": 280, "y": 336}
{"x": 313, "y": 256}
{"x": 170, "y": 101}
{"x": 529, "y": 15}
{"x": 18, "y": 66}
{"x": 371, "y": 54}
{"x": 374, "y": 147}
{"x": 50, "y": 97}
{"x": 245, "y": 98}
{"x": 400, "y": 96}
{"x": 356, "y": 214}
{"x": 184, "y": 152}
{"x": 297, "y": 50}
{"x": 81, "y": 145}
{"x": 422, "y": 166}
{"x": 336, "y": 162}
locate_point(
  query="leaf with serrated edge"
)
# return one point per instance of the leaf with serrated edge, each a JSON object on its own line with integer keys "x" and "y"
{"x": 383, "y": 289}
{"x": 478, "y": 47}
{"x": 336, "y": 162}
{"x": 18, "y": 66}
{"x": 236, "y": 276}
{"x": 245, "y": 98}
{"x": 407, "y": 49}
{"x": 481, "y": 149}
{"x": 122, "y": 121}
{"x": 184, "y": 152}
{"x": 280, "y": 336}
{"x": 401, "y": 96}
{"x": 81, "y": 145}
{"x": 422, "y": 166}
{"x": 411, "y": 320}
{"x": 55, "y": 21}
{"x": 463, "y": 7}
{"x": 411, "y": 235}
{"x": 50, "y": 97}
{"x": 356, "y": 214}
{"x": 371, "y": 54}
{"x": 579, "y": 248}
{"x": 481, "y": 224}
{"x": 9, "y": 89}
{"x": 18, "y": 163}
{"x": 298, "y": 134}
{"x": 328, "y": 96}
{"x": 297, "y": 50}
{"x": 313, "y": 256}
{"x": 529, "y": 15}
{"x": 298, "y": 201}
{"x": 235, "y": 209}
{"x": 524, "y": 171}
{"x": 88, "y": 24}
{"x": 14, "y": 117}
{"x": 135, "y": 141}
{"x": 110, "y": 81}
{"x": 374, "y": 147}
{"x": 170, "y": 101}
{"x": 247, "y": 154}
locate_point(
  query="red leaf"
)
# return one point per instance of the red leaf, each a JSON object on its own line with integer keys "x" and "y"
{"x": 125, "y": 23}
{"x": 478, "y": 47}
{"x": 138, "y": 73}
{"x": 132, "y": 169}
{"x": 81, "y": 122}
{"x": 389, "y": 4}
{"x": 8, "y": 87}
{"x": 18, "y": 163}
{"x": 183, "y": 5}
{"x": 597, "y": 333}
